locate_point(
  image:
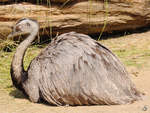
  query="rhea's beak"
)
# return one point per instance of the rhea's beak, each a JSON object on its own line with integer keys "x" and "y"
{"x": 15, "y": 34}
{"x": 10, "y": 35}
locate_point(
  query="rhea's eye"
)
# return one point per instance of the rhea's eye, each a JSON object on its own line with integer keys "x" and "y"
{"x": 18, "y": 28}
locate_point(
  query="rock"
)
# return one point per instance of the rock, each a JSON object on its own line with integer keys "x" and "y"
{"x": 84, "y": 17}
{"x": 4, "y": 1}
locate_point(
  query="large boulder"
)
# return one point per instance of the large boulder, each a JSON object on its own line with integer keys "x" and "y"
{"x": 1, "y": 1}
{"x": 82, "y": 16}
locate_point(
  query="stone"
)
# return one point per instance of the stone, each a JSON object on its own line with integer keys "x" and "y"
{"x": 81, "y": 16}
{"x": 1, "y": 1}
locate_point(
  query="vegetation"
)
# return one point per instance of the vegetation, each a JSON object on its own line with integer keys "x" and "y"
{"x": 131, "y": 51}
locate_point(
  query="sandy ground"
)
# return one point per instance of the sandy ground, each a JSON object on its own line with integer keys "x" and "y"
{"x": 11, "y": 104}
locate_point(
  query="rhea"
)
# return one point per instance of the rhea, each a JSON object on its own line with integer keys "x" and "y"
{"x": 73, "y": 69}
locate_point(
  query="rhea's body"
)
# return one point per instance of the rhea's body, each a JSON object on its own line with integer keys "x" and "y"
{"x": 73, "y": 69}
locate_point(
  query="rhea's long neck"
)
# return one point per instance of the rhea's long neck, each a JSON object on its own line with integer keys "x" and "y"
{"x": 17, "y": 68}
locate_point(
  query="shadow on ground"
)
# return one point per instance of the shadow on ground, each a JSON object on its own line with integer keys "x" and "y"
{"x": 17, "y": 94}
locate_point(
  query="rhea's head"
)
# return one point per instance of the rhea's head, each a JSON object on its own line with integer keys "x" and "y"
{"x": 24, "y": 26}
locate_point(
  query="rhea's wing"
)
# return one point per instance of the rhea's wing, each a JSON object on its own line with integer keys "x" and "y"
{"x": 77, "y": 70}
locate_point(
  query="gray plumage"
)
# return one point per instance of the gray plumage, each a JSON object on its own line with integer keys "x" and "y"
{"x": 72, "y": 70}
